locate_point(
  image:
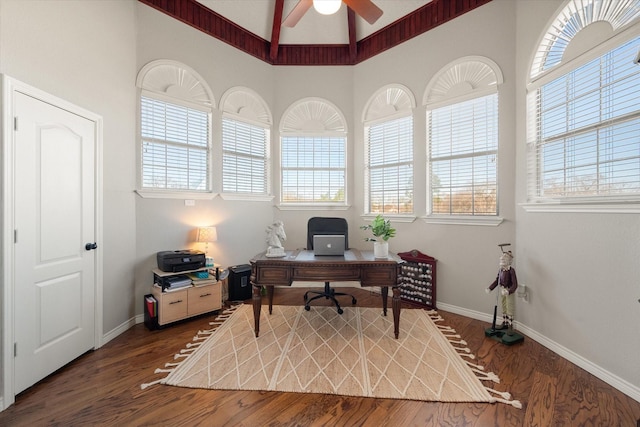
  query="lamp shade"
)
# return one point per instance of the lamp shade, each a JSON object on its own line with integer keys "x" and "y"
{"x": 327, "y": 7}
{"x": 207, "y": 234}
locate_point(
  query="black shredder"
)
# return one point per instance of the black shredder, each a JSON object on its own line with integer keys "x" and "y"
{"x": 239, "y": 284}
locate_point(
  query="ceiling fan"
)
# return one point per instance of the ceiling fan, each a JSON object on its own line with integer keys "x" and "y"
{"x": 365, "y": 8}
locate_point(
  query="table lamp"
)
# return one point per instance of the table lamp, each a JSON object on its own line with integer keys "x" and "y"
{"x": 206, "y": 235}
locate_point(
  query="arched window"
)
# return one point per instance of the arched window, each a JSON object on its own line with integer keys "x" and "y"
{"x": 313, "y": 139}
{"x": 388, "y": 123}
{"x": 175, "y": 129}
{"x": 462, "y": 138}
{"x": 246, "y": 130}
{"x": 583, "y": 113}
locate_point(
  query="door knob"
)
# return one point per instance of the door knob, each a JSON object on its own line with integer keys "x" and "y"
{"x": 91, "y": 246}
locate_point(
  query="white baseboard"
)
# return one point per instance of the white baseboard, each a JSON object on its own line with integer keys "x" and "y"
{"x": 123, "y": 327}
{"x": 613, "y": 380}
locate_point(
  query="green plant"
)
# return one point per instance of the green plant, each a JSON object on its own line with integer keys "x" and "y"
{"x": 380, "y": 228}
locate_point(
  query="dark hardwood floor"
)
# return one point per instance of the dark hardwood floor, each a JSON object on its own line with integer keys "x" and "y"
{"x": 102, "y": 388}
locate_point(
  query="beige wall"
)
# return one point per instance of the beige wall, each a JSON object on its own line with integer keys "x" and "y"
{"x": 85, "y": 52}
{"x": 582, "y": 269}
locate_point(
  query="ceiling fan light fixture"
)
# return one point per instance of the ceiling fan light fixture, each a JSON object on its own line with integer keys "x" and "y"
{"x": 327, "y": 7}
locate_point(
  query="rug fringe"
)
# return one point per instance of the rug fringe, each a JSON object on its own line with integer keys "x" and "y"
{"x": 478, "y": 370}
{"x": 486, "y": 376}
{"x": 473, "y": 365}
{"x": 192, "y": 346}
{"x": 505, "y": 397}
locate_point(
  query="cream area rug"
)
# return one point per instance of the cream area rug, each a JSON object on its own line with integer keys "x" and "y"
{"x": 321, "y": 351}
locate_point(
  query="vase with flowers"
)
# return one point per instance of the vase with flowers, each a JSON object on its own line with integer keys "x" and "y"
{"x": 382, "y": 231}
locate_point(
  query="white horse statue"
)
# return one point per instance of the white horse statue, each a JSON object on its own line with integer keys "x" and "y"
{"x": 275, "y": 237}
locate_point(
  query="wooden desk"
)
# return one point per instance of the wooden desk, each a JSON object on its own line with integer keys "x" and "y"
{"x": 303, "y": 265}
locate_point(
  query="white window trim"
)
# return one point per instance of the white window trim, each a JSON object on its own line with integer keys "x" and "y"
{"x": 367, "y": 167}
{"x": 250, "y": 197}
{"x": 478, "y": 90}
{"x": 389, "y": 103}
{"x": 308, "y": 207}
{"x": 458, "y": 219}
{"x": 168, "y": 194}
{"x": 615, "y": 206}
{"x": 246, "y": 105}
{"x": 247, "y": 197}
{"x": 392, "y": 217}
{"x": 152, "y": 80}
{"x": 285, "y": 206}
{"x": 294, "y": 126}
{"x": 493, "y": 221}
{"x": 165, "y": 193}
{"x": 604, "y": 204}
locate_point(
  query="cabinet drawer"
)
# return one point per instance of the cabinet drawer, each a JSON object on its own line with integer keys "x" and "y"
{"x": 173, "y": 306}
{"x": 204, "y": 299}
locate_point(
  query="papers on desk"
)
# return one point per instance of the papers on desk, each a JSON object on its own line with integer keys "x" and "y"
{"x": 199, "y": 281}
{"x": 181, "y": 281}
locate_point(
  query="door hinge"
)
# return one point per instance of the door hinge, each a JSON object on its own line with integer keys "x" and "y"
{"x": 15, "y": 123}
{"x": 15, "y": 349}
{"x": 15, "y": 236}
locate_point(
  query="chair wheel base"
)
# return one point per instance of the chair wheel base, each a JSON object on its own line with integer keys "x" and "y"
{"x": 328, "y": 293}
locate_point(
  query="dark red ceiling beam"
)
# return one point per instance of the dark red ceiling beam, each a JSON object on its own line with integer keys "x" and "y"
{"x": 353, "y": 41}
{"x": 275, "y": 29}
{"x": 415, "y": 23}
{"x": 421, "y": 20}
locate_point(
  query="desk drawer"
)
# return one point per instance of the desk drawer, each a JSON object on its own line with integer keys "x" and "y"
{"x": 380, "y": 276}
{"x": 273, "y": 276}
{"x": 327, "y": 273}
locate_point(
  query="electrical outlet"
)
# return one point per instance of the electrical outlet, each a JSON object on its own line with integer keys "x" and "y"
{"x": 523, "y": 292}
{"x": 189, "y": 202}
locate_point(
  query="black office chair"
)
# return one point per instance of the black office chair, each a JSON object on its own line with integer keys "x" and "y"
{"x": 324, "y": 226}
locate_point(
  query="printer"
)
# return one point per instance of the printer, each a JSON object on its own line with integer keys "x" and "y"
{"x": 182, "y": 260}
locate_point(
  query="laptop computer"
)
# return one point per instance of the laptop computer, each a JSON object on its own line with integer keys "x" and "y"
{"x": 328, "y": 244}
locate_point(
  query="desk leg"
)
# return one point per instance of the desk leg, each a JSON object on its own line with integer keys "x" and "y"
{"x": 257, "y": 305}
{"x": 270, "y": 298}
{"x": 385, "y": 293}
{"x": 395, "y": 304}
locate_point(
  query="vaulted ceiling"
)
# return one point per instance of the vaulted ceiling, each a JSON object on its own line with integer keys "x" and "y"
{"x": 255, "y": 27}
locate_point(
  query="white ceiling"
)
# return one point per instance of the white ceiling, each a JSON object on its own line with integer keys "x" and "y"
{"x": 256, "y": 16}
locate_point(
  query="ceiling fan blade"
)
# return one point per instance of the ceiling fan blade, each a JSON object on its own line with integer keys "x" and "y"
{"x": 297, "y": 13}
{"x": 366, "y": 9}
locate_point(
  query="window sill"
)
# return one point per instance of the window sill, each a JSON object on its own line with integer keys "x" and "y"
{"x": 628, "y": 207}
{"x": 492, "y": 221}
{"x": 391, "y": 217}
{"x": 246, "y": 197}
{"x": 301, "y": 207}
{"x": 159, "y": 194}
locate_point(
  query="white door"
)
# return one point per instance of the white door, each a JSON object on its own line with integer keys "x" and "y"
{"x": 54, "y": 219}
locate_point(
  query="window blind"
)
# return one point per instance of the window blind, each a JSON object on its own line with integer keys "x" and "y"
{"x": 585, "y": 129}
{"x": 244, "y": 157}
{"x": 313, "y": 169}
{"x": 463, "y": 149}
{"x": 390, "y": 166}
{"x": 175, "y": 146}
